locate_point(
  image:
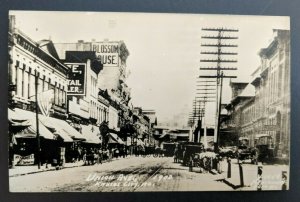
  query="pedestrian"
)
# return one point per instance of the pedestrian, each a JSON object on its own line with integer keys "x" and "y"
{"x": 88, "y": 156}
{"x": 78, "y": 154}
{"x": 107, "y": 154}
{"x": 84, "y": 157}
{"x": 122, "y": 152}
{"x": 184, "y": 156}
{"x": 92, "y": 157}
{"x": 117, "y": 152}
{"x": 161, "y": 153}
{"x": 96, "y": 156}
{"x": 176, "y": 154}
{"x": 100, "y": 156}
{"x": 110, "y": 155}
{"x": 191, "y": 163}
{"x": 255, "y": 154}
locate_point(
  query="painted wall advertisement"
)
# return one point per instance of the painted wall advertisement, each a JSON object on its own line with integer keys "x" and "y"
{"x": 108, "y": 52}
{"x": 76, "y": 79}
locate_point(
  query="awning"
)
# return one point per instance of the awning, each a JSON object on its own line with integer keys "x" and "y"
{"x": 257, "y": 136}
{"x": 17, "y": 119}
{"x": 114, "y": 138}
{"x": 91, "y": 133}
{"x": 180, "y": 134}
{"x": 128, "y": 141}
{"x": 62, "y": 128}
{"x": 140, "y": 142}
{"x": 243, "y": 138}
{"x": 163, "y": 135}
{"x": 30, "y": 131}
{"x": 56, "y": 129}
{"x": 112, "y": 141}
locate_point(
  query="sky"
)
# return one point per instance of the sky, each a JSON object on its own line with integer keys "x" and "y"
{"x": 164, "y": 49}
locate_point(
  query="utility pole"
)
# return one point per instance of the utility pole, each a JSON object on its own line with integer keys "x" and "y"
{"x": 37, "y": 120}
{"x": 218, "y": 34}
{"x": 199, "y": 104}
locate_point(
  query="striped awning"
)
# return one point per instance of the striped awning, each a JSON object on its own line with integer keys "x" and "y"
{"x": 62, "y": 128}
{"x": 16, "y": 119}
{"x": 91, "y": 133}
{"x": 30, "y": 131}
{"x": 49, "y": 127}
{"x": 114, "y": 138}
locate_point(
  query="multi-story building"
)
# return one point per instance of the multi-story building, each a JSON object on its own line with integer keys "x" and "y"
{"x": 265, "y": 111}
{"x": 30, "y": 60}
{"x": 112, "y": 77}
{"x": 38, "y": 85}
{"x": 247, "y": 98}
{"x": 83, "y": 91}
{"x": 151, "y": 114}
{"x": 234, "y": 110}
{"x": 275, "y": 91}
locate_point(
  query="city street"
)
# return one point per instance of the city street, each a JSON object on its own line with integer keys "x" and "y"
{"x": 131, "y": 174}
{"x": 77, "y": 98}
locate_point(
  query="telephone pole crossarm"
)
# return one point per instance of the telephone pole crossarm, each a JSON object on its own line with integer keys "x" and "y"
{"x": 216, "y": 68}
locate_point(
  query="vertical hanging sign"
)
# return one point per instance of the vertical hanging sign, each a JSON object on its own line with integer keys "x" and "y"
{"x": 76, "y": 79}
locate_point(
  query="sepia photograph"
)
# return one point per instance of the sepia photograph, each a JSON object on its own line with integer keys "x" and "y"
{"x": 148, "y": 102}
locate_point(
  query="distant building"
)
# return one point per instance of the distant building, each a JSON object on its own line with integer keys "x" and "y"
{"x": 151, "y": 114}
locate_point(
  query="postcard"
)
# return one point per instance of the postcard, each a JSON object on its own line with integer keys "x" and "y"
{"x": 148, "y": 102}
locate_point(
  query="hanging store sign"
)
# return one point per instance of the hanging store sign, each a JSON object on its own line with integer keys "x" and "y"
{"x": 107, "y": 52}
{"x": 76, "y": 79}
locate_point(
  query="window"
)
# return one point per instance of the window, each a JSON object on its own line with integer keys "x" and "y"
{"x": 55, "y": 94}
{"x": 64, "y": 97}
{"x": 23, "y": 84}
{"x": 59, "y": 91}
{"x": 16, "y": 75}
{"x": 28, "y": 87}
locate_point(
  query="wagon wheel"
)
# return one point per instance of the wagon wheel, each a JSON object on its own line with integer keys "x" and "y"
{"x": 206, "y": 163}
{"x": 197, "y": 163}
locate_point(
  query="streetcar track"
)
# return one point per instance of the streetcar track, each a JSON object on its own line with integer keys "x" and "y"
{"x": 149, "y": 177}
{"x": 140, "y": 171}
{"x": 127, "y": 171}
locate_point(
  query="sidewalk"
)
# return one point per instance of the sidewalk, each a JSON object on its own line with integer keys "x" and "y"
{"x": 271, "y": 176}
{"x": 25, "y": 170}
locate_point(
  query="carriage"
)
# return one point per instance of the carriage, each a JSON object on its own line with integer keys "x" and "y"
{"x": 264, "y": 146}
{"x": 244, "y": 151}
{"x": 186, "y": 150}
{"x": 263, "y": 149}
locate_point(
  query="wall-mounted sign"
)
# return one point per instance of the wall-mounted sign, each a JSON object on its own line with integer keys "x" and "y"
{"x": 76, "y": 79}
{"x": 23, "y": 160}
{"x": 108, "y": 52}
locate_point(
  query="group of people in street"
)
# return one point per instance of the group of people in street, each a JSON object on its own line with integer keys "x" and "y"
{"x": 93, "y": 156}
{"x": 96, "y": 155}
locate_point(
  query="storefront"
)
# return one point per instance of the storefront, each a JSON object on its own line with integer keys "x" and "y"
{"x": 55, "y": 136}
